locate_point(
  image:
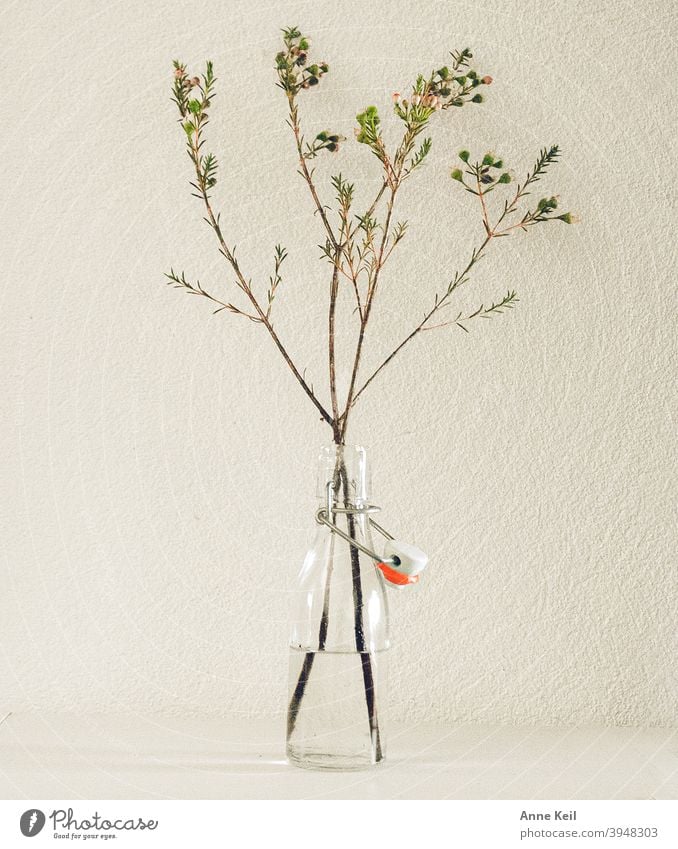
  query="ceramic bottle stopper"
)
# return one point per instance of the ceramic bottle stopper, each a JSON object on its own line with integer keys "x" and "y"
{"x": 407, "y": 562}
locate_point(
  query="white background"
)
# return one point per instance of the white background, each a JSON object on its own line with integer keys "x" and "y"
{"x": 158, "y": 463}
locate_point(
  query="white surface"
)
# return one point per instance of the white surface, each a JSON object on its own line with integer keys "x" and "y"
{"x": 156, "y": 462}
{"x": 113, "y": 757}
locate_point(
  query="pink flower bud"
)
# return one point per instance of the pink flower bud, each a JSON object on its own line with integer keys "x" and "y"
{"x": 179, "y": 73}
{"x": 439, "y": 106}
{"x": 416, "y": 99}
{"x": 487, "y": 80}
{"x": 395, "y": 97}
{"x": 432, "y": 101}
{"x": 195, "y": 81}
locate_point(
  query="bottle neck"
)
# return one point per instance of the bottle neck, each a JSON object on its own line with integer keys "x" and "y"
{"x": 343, "y": 475}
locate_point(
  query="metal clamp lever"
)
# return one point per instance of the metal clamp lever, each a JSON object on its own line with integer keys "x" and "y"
{"x": 322, "y": 516}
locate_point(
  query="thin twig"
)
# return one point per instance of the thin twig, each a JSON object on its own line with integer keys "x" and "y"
{"x": 195, "y": 144}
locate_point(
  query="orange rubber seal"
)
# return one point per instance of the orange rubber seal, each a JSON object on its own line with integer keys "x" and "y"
{"x": 397, "y": 578}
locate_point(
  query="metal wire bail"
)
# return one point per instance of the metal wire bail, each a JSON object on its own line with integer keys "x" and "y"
{"x": 323, "y": 517}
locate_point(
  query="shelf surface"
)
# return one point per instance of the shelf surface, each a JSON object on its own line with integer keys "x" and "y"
{"x": 48, "y": 756}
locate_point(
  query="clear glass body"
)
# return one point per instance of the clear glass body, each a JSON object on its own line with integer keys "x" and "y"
{"x": 339, "y": 633}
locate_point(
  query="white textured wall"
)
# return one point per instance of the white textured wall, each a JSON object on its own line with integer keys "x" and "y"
{"x": 157, "y": 462}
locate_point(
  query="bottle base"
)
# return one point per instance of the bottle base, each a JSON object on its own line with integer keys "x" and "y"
{"x": 330, "y": 762}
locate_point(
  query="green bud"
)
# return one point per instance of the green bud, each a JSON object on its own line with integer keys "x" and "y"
{"x": 189, "y": 129}
{"x": 303, "y": 44}
{"x": 543, "y": 203}
{"x": 194, "y": 106}
{"x": 445, "y": 91}
{"x": 457, "y": 175}
{"x": 471, "y": 74}
{"x": 460, "y": 80}
{"x": 369, "y": 116}
{"x": 477, "y": 98}
{"x": 488, "y": 159}
{"x": 464, "y": 155}
{"x": 322, "y": 136}
{"x": 505, "y": 178}
{"x": 498, "y": 163}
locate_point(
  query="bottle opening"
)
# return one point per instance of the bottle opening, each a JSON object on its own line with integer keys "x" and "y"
{"x": 346, "y": 466}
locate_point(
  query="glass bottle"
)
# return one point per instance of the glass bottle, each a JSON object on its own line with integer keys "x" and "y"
{"x": 339, "y": 631}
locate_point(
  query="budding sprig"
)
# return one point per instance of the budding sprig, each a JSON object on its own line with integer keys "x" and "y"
{"x": 445, "y": 88}
{"x": 485, "y": 175}
{"x": 369, "y": 133}
{"x": 325, "y": 140}
{"x": 546, "y": 206}
{"x": 294, "y": 74}
{"x": 193, "y": 97}
{"x": 481, "y": 172}
{"x": 442, "y": 89}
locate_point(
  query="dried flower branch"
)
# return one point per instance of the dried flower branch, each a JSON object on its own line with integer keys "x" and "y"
{"x": 180, "y": 282}
{"x": 485, "y": 182}
{"x": 194, "y": 117}
{"x": 507, "y": 302}
{"x": 358, "y": 245}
